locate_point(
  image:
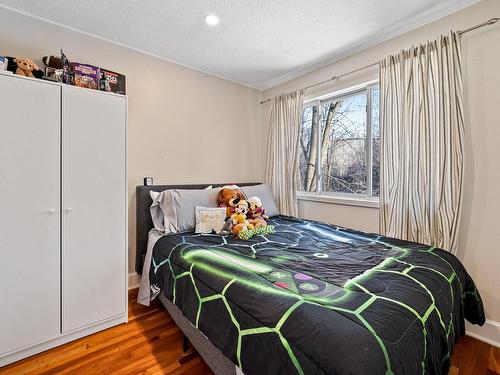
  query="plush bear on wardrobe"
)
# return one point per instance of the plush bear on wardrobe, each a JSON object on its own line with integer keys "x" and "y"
{"x": 25, "y": 67}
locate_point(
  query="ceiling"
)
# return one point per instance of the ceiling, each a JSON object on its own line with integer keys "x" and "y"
{"x": 259, "y": 43}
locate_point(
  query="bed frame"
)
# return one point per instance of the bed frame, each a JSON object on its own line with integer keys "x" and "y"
{"x": 214, "y": 358}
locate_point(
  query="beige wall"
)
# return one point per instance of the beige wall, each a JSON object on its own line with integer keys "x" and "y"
{"x": 480, "y": 239}
{"x": 183, "y": 125}
{"x": 363, "y": 218}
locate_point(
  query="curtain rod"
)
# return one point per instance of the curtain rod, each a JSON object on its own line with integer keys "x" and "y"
{"x": 491, "y": 21}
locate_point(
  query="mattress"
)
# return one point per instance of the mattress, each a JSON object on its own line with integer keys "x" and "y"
{"x": 314, "y": 298}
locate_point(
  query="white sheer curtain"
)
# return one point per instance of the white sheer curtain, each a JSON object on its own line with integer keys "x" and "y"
{"x": 422, "y": 137}
{"x": 281, "y": 162}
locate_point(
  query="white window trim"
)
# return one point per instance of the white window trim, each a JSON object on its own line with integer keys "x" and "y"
{"x": 358, "y": 200}
{"x": 342, "y": 92}
{"x": 362, "y": 200}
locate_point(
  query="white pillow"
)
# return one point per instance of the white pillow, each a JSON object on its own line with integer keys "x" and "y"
{"x": 263, "y": 191}
{"x": 209, "y": 219}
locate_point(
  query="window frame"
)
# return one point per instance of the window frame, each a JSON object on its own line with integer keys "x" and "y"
{"x": 356, "y": 199}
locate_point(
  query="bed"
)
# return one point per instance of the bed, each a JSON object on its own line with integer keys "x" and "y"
{"x": 312, "y": 298}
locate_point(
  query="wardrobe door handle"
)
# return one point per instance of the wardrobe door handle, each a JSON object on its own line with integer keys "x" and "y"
{"x": 52, "y": 211}
{"x": 68, "y": 209}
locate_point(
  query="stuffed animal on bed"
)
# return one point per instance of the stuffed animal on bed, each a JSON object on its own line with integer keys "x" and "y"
{"x": 239, "y": 217}
{"x": 256, "y": 213}
{"x": 226, "y": 228}
{"x": 246, "y": 234}
{"x": 228, "y": 197}
{"x": 245, "y": 219}
{"x": 256, "y": 210}
{"x": 237, "y": 221}
{"x": 257, "y": 223}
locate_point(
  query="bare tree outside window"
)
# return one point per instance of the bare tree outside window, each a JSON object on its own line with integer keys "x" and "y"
{"x": 308, "y": 150}
{"x": 375, "y": 92}
{"x": 343, "y": 147}
{"x": 343, "y": 158}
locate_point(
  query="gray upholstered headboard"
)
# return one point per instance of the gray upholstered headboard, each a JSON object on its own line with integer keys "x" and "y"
{"x": 143, "y": 217}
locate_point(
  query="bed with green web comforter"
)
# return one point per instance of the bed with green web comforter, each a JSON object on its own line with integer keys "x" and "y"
{"x": 314, "y": 298}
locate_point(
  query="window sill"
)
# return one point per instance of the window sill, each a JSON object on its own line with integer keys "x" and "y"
{"x": 348, "y": 201}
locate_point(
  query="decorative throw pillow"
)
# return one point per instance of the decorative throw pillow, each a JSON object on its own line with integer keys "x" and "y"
{"x": 209, "y": 219}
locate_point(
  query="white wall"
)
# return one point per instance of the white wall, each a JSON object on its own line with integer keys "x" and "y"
{"x": 182, "y": 123}
{"x": 480, "y": 232}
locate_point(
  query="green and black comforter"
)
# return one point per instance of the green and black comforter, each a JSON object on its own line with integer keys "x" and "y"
{"x": 314, "y": 298}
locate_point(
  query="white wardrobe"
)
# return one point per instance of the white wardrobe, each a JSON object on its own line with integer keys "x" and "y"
{"x": 63, "y": 214}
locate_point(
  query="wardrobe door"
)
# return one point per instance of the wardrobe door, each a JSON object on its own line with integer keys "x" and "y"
{"x": 94, "y": 207}
{"x": 30, "y": 121}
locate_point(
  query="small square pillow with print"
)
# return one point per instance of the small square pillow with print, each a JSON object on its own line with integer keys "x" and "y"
{"x": 209, "y": 219}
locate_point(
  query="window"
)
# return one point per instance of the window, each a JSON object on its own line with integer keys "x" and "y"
{"x": 339, "y": 145}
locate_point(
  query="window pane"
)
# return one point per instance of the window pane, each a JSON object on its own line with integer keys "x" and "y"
{"x": 375, "y": 93}
{"x": 308, "y": 150}
{"x": 343, "y": 149}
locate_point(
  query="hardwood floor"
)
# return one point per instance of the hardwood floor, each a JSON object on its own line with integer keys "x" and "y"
{"x": 151, "y": 343}
{"x": 474, "y": 357}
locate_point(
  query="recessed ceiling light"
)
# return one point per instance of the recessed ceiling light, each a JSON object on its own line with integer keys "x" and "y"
{"x": 211, "y": 19}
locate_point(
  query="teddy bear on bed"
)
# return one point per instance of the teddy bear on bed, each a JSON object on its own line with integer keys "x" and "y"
{"x": 228, "y": 197}
{"x": 237, "y": 211}
{"x": 245, "y": 229}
